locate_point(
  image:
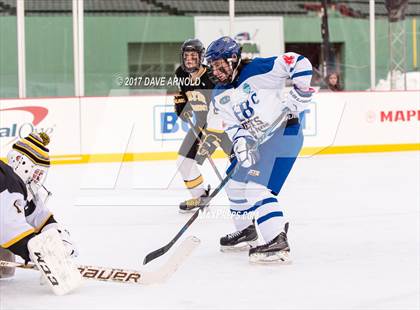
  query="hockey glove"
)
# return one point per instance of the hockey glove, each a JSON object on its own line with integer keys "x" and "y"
{"x": 298, "y": 100}
{"x": 246, "y": 151}
{"x": 69, "y": 245}
{"x": 209, "y": 143}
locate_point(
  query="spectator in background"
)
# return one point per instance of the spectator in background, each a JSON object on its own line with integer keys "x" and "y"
{"x": 332, "y": 82}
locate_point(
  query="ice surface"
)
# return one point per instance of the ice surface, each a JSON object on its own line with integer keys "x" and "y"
{"x": 354, "y": 236}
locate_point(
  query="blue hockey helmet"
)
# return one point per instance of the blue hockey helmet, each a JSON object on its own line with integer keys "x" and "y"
{"x": 223, "y": 48}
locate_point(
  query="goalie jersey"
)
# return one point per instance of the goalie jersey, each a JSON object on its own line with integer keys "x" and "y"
{"x": 19, "y": 219}
{"x": 254, "y": 100}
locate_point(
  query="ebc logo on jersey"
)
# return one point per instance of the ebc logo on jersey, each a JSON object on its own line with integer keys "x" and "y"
{"x": 244, "y": 110}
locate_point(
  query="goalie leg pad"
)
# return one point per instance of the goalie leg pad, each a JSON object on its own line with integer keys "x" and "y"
{"x": 48, "y": 254}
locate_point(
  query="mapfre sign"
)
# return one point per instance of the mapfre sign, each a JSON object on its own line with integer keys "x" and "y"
{"x": 400, "y": 116}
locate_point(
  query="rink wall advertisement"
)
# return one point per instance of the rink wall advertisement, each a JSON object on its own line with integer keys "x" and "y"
{"x": 113, "y": 129}
{"x": 57, "y": 117}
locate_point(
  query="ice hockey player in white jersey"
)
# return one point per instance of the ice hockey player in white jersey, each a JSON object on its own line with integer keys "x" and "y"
{"x": 24, "y": 218}
{"x": 245, "y": 103}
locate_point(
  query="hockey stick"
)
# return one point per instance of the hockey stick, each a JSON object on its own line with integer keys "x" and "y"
{"x": 126, "y": 275}
{"x": 196, "y": 134}
{"x": 159, "y": 252}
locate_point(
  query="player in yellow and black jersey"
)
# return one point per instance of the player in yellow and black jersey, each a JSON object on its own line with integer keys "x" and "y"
{"x": 192, "y": 100}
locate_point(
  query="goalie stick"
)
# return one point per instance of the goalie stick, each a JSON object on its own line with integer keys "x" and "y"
{"x": 159, "y": 252}
{"x": 126, "y": 275}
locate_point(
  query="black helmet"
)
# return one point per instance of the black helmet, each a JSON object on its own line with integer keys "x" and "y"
{"x": 192, "y": 45}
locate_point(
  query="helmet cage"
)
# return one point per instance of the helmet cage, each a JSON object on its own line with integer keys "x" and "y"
{"x": 192, "y": 45}
{"x": 33, "y": 175}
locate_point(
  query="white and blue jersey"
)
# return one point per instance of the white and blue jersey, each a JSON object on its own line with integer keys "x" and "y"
{"x": 249, "y": 106}
{"x": 254, "y": 100}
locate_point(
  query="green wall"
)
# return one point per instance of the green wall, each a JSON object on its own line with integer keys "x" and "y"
{"x": 354, "y": 33}
{"x": 49, "y": 56}
{"x": 8, "y": 58}
{"x": 49, "y": 50}
{"x": 49, "y": 46}
{"x": 106, "y": 43}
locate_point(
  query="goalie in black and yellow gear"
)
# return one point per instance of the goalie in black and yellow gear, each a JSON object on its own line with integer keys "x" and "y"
{"x": 192, "y": 100}
{"x": 24, "y": 217}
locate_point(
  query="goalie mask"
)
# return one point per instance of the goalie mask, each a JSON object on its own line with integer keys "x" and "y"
{"x": 30, "y": 160}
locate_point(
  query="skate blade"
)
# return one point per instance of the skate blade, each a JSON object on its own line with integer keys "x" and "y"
{"x": 279, "y": 258}
{"x": 241, "y": 247}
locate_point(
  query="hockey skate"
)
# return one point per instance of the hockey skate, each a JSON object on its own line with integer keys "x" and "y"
{"x": 193, "y": 204}
{"x": 239, "y": 240}
{"x": 275, "y": 251}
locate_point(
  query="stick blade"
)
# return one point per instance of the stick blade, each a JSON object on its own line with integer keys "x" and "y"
{"x": 177, "y": 258}
{"x": 155, "y": 254}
